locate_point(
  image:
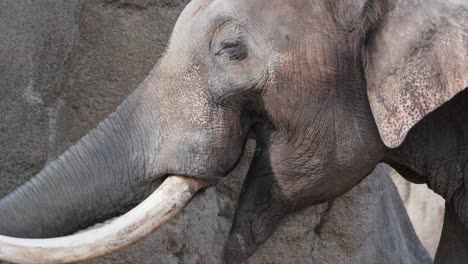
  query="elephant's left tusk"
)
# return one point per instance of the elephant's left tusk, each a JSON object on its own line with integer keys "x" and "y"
{"x": 158, "y": 209}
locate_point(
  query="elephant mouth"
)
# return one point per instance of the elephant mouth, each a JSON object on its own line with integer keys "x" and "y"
{"x": 165, "y": 202}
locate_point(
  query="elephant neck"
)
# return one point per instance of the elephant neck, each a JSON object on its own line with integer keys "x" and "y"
{"x": 454, "y": 240}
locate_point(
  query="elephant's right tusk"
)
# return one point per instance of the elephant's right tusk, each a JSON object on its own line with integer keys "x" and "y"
{"x": 158, "y": 209}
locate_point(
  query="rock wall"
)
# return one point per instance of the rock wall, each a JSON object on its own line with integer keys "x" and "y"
{"x": 65, "y": 65}
{"x": 425, "y": 209}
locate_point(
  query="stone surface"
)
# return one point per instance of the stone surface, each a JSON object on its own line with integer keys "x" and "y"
{"x": 425, "y": 210}
{"x": 65, "y": 65}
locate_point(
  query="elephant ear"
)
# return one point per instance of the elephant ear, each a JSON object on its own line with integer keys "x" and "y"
{"x": 416, "y": 59}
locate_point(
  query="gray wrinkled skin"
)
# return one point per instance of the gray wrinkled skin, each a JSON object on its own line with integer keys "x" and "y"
{"x": 293, "y": 73}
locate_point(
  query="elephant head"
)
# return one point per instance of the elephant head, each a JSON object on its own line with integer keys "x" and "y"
{"x": 327, "y": 89}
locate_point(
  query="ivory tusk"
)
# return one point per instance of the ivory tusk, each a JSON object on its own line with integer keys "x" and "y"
{"x": 158, "y": 209}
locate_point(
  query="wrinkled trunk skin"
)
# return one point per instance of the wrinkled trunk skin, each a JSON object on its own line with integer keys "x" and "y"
{"x": 99, "y": 177}
{"x": 66, "y": 65}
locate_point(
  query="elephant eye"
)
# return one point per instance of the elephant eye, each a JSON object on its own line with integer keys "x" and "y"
{"x": 233, "y": 49}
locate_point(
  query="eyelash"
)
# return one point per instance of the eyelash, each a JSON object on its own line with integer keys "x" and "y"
{"x": 233, "y": 49}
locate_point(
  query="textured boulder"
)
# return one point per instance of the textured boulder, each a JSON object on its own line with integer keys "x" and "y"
{"x": 65, "y": 65}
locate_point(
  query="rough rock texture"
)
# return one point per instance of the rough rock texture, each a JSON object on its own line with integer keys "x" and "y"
{"x": 425, "y": 210}
{"x": 65, "y": 65}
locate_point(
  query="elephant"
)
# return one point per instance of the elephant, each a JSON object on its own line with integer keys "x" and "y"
{"x": 328, "y": 89}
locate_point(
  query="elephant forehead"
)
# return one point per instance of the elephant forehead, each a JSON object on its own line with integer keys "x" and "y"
{"x": 193, "y": 8}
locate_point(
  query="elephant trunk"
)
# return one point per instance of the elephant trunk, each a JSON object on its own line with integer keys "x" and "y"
{"x": 102, "y": 176}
